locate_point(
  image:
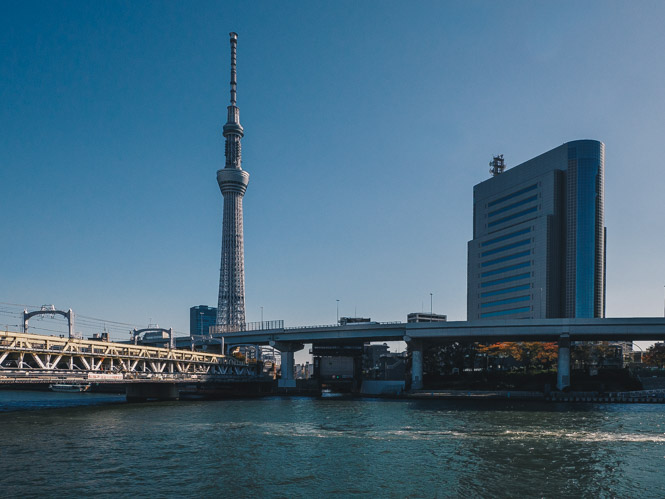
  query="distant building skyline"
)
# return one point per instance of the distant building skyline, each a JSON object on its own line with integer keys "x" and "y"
{"x": 539, "y": 238}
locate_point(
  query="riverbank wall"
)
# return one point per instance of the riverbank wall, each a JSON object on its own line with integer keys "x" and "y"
{"x": 638, "y": 396}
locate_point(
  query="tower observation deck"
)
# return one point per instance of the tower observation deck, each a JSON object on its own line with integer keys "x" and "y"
{"x": 232, "y": 180}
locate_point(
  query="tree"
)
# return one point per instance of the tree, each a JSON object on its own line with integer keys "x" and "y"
{"x": 587, "y": 354}
{"x": 527, "y": 353}
{"x": 655, "y": 355}
{"x": 581, "y": 354}
{"x": 442, "y": 359}
{"x": 548, "y": 355}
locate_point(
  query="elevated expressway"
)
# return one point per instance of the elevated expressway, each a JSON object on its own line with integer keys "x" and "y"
{"x": 145, "y": 371}
{"x": 421, "y": 334}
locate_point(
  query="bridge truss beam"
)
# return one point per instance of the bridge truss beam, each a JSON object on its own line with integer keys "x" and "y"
{"x": 69, "y": 315}
{"x": 39, "y": 356}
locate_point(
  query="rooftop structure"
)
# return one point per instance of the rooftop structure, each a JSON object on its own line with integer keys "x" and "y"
{"x": 354, "y": 320}
{"x": 426, "y": 317}
{"x": 498, "y": 165}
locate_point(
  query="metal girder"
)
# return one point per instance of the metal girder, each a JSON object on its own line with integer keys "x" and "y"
{"x": 69, "y": 315}
{"x": 74, "y": 358}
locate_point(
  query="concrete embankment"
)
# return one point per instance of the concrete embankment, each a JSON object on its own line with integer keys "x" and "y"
{"x": 641, "y": 396}
{"x": 476, "y": 394}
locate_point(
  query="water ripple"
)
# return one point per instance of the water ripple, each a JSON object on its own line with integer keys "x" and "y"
{"x": 303, "y": 447}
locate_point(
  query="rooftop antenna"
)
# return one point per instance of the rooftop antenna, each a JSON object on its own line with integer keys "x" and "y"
{"x": 497, "y": 165}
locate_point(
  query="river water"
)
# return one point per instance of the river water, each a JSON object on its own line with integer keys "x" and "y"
{"x": 95, "y": 445}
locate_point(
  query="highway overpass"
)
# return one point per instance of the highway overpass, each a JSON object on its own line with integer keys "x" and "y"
{"x": 420, "y": 334}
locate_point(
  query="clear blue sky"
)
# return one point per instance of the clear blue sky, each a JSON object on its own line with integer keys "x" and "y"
{"x": 367, "y": 125}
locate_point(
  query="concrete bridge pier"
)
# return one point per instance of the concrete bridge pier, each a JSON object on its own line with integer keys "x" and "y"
{"x": 563, "y": 363}
{"x": 416, "y": 349}
{"x": 288, "y": 373}
{"x": 140, "y": 392}
{"x": 287, "y": 380}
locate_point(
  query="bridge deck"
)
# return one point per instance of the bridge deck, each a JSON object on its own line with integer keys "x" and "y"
{"x": 41, "y": 358}
{"x": 623, "y": 329}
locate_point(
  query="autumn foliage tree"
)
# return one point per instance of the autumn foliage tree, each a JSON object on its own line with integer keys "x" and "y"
{"x": 529, "y": 354}
{"x": 655, "y": 355}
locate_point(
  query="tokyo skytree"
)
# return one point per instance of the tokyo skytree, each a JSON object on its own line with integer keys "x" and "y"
{"x": 232, "y": 180}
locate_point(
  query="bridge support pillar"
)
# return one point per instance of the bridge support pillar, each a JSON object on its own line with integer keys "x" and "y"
{"x": 288, "y": 372}
{"x": 287, "y": 380}
{"x": 140, "y": 392}
{"x": 416, "y": 348}
{"x": 563, "y": 363}
{"x": 70, "y": 320}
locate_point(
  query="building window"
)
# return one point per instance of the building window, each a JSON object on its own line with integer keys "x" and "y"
{"x": 506, "y": 301}
{"x": 513, "y": 195}
{"x": 513, "y": 216}
{"x": 506, "y": 269}
{"x": 506, "y": 312}
{"x": 507, "y": 236}
{"x": 505, "y": 279}
{"x": 512, "y": 289}
{"x": 512, "y": 205}
{"x": 505, "y": 258}
{"x": 506, "y": 247}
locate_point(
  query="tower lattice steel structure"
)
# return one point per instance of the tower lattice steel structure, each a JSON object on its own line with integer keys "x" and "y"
{"x": 232, "y": 180}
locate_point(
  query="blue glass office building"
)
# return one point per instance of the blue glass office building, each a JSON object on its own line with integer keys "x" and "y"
{"x": 201, "y": 317}
{"x": 538, "y": 247}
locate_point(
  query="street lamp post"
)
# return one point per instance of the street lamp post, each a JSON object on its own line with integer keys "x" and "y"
{"x": 337, "y": 311}
{"x": 261, "y": 317}
{"x": 431, "y": 308}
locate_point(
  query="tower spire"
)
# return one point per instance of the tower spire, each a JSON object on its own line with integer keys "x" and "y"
{"x": 234, "y": 43}
{"x": 233, "y": 131}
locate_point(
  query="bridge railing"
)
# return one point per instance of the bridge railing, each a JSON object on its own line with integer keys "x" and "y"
{"x": 271, "y": 325}
{"x": 372, "y": 323}
{"x": 248, "y": 326}
{"x": 316, "y": 326}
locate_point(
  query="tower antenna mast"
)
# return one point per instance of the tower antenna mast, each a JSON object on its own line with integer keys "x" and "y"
{"x": 497, "y": 165}
{"x": 232, "y": 180}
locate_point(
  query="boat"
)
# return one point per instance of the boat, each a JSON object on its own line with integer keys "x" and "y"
{"x": 328, "y": 393}
{"x": 69, "y": 387}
